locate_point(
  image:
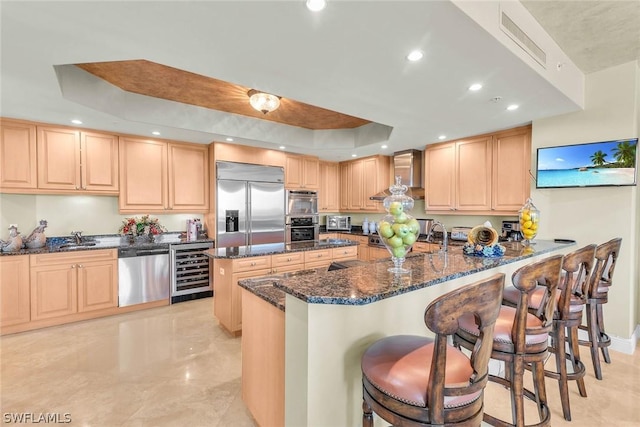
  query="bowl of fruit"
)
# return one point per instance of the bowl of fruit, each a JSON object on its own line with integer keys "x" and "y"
{"x": 398, "y": 230}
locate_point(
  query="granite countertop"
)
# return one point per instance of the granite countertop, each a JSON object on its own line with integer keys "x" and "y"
{"x": 276, "y": 248}
{"x": 108, "y": 241}
{"x": 437, "y": 236}
{"x": 367, "y": 284}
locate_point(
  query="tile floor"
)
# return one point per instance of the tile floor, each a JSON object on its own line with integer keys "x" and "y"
{"x": 173, "y": 366}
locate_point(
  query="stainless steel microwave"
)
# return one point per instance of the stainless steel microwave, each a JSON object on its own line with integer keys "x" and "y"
{"x": 338, "y": 223}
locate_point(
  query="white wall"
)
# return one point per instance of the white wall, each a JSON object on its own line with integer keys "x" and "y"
{"x": 89, "y": 214}
{"x": 596, "y": 215}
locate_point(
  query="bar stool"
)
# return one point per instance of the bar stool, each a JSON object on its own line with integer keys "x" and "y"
{"x": 520, "y": 339}
{"x": 576, "y": 271}
{"x": 418, "y": 381}
{"x": 597, "y": 293}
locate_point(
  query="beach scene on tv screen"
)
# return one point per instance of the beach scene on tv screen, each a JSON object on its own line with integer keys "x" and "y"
{"x": 592, "y": 164}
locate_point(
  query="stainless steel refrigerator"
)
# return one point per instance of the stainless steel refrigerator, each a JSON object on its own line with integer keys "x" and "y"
{"x": 250, "y": 203}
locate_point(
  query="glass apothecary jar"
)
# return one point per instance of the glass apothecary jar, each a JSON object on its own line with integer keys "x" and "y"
{"x": 529, "y": 217}
{"x": 398, "y": 230}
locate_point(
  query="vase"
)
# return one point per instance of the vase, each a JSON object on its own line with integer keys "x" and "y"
{"x": 529, "y": 217}
{"x": 398, "y": 229}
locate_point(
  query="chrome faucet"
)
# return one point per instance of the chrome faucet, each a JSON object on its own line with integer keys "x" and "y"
{"x": 444, "y": 234}
{"x": 78, "y": 236}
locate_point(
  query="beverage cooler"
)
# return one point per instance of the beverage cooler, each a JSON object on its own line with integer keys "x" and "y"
{"x": 190, "y": 272}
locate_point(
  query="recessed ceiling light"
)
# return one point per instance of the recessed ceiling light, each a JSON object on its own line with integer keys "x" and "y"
{"x": 512, "y": 107}
{"x": 316, "y": 5}
{"x": 442, "y": 136}
{"x": 76, "y": 122}
{"x": 155, "y": 132}
{"x": 282, "y": 147}
{"x": 229, "y": 139}
{"x": 383, "y": 146}
{"x": 476, "y": 86}
{"x": 415, "y": 55}
{"x": 354, "y": 155}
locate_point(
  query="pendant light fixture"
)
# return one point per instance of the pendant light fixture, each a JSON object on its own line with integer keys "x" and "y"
{"x": 263, "y": 102}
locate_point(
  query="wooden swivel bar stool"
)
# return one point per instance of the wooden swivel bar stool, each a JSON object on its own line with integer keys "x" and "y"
{"x": 418, "y": 381}
{"x": 597, "y": 294}
{"x": 576, "y": 271}
{"x": 520, "y": 339}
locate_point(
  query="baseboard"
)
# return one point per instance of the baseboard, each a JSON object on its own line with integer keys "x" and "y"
{"x": 619, "y": 344}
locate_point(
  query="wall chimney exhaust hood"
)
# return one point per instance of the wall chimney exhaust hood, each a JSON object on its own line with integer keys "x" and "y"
{"x": 407, "y": 165}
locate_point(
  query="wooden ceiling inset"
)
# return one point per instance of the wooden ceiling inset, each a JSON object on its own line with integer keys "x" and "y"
{"x": 159, "y": 81}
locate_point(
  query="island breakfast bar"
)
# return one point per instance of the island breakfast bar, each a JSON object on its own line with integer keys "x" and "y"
{"x": 322, "y": 321}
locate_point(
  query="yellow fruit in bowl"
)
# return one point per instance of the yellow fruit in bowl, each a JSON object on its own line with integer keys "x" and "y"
{"x": 527, "y": 224}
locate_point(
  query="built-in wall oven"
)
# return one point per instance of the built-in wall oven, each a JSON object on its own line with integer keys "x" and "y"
{"x": 301, "y": 203}
{"x": 302, "y": 228}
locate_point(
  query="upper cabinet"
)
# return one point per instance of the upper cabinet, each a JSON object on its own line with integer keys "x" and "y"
{"x": 329, "y": 193}
{"x": 361, "y": 179}
{"x": 18, "y": 162}
{"x": 70, "y": 160}
{"x": 246, "y": 154}
{"x": 302, "y": 172}
{"x": 488, "y": 174}
{"x": 157, "y": 176}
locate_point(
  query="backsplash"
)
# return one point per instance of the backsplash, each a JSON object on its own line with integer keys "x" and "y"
{"x": 89, "y": 214}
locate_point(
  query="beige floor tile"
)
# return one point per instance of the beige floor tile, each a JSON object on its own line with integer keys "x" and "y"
{"x": 174, "y": 366}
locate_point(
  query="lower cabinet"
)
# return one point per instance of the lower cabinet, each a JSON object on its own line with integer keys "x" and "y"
{"x": 363, "y": 245}
{"x": 63, "y": 284}
{"x": 424, "y": 247}
{"x": 14, "y": 290}
{"x": 227, "y": 304}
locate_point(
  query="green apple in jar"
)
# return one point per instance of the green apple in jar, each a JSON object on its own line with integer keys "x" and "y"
{"x": 409, "y": 239}
{"x": 385, "y": 230}
{"x": 400, "y": 230}
{"x": 395, "y": 241}
{"x": 414, "y": 226}
{"x": 399, "y": 252}
{"x": 396, "y": 208}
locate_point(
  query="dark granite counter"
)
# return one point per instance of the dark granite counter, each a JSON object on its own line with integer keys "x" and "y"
{"x": 276, "y": 248}
{"x": 108, "y": 241}
{"x": 367, "y": 284}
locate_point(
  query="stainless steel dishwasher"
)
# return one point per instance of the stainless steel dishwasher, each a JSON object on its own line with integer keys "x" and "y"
{"x": 143, "y": 275}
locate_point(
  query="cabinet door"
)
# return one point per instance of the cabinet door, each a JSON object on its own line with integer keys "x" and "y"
{"x": 356, "y": 189}
{"x": 97, "y": 285}
{"x": 58, "y": 159}
{"x": 18, "y": 162}
{"x": 511, "y": 168}
{"x": 99, "y": 157}
{"x": 329, "y": 193}
{"x": 293, "y": 171}
{"x": 236, "y": 297}
{"x": 378, "y": 253}
{"x": 143, "y": 175}
{"x": 372, "y": 180}
{"x": 310, "y": 173}
{"x": 439, "y": 177}
{"x": 345, "y": 185}
{"x": 14, "y": 290}
{"x": 53, "y": 291}
{"x": 474, "y": 174}
{"x": 188, "y": 178}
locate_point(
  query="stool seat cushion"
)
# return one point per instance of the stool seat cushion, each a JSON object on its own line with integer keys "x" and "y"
{"x": 511, "y": 294}
{"x": 504, "y": 324}
{"x": 400, "y": 366}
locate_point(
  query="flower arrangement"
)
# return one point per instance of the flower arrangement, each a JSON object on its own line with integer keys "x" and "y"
{"x": 489, "y": 251}
{"x": 144, "y": 225}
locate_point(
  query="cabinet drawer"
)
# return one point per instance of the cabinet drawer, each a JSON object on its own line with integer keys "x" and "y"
{"x": 313, "y": 256}
{"x": 74, "y": 257}
{"x": 283, "y": 260}
{"x": 253, "y": 263}
{"x": 345, "y": 252}
{"x": 425, "y": 247}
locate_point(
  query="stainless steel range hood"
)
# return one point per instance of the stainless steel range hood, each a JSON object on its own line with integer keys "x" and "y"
{"x": 408, "y": 166}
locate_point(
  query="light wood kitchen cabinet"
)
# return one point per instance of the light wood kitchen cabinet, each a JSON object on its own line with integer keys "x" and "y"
{"x": 66, "y": 283}
{"x": 363, "y": 244}
{"x": 18, "y": 158}
{"x": 14, "y": 290}
{"x": 247, "y": 154}
{"x": 378, "y": 253}
{"x": 71, "y": 161}
{"x": 302, "y": 172}
{"x": 344, "y": 253}
{"x": 318, "y": 258}
{"x": 488, "y": 174}
{"x": 329, "y": 192}
{"x": 282, "y": 263}
{"x": 157, "y": 177}
{"x": 361, "y": 179}
{"x": 424, "y": 247}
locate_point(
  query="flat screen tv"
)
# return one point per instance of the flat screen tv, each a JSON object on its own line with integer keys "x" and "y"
{"x": 593, "y": 164}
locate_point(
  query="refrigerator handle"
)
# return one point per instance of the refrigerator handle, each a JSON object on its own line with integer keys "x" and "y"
{"x": 247, "y": 225}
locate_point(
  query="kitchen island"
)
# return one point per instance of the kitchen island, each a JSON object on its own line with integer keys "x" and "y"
{"x": 321, "y": 322}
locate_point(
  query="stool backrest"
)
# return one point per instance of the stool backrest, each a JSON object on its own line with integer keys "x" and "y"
{"x": 576, "y": 267}
{"x": 483, "y": 299}
{"x": 543, "y": 273}
{"x": 605, "y": 263}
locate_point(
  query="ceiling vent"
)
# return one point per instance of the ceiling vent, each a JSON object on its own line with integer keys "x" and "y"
{"x": 522, "y": 39}
{"x": 408, "y": 166}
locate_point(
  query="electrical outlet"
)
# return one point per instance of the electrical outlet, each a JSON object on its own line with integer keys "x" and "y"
{"x": 221, "y": 271}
